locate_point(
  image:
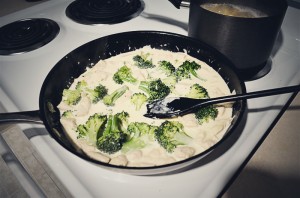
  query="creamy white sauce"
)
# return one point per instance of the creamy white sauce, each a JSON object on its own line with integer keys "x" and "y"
{"x": 204, "y": 136}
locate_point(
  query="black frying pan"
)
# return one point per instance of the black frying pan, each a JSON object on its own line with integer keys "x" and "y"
{"x": 75, "y": 63}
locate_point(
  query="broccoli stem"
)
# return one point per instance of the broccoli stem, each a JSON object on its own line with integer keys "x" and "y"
{"x": 110, "y": 99}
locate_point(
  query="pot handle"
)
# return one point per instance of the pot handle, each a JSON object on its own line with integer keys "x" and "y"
{"x": 21, "y": 117}
{"x": 180, "y": 3}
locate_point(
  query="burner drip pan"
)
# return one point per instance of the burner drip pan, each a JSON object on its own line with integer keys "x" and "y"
{"x": 91, "y": 12}
{"x": 26, "y": 35}
{"x": 256, "y": 72}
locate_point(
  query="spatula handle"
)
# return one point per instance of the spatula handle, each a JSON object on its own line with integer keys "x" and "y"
{"x": 256, "y": 94}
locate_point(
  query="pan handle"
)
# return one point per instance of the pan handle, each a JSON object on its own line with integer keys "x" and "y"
{"x": 21, "y": 117}
{"x": 180, "y": 3}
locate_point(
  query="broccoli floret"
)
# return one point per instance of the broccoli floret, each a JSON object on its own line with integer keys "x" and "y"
{"x": 71, "y": 97}
{"x": 170, "y": 134}
{"x": 138, "y": 99}
{"x": 81, "y": 85}
{"x": 166, "y": 67}
{"x": 113, "y": 137}
{"x": 206, "y": 114}
{"x": 91, "y": 129}
{"x": 124, "y": 74}
{"x": 197, "y": 91}
{"x": 156, "y": 89}
{"x": 113, "y": 97}
{"x": 97, "y": 93}
{"x": 67, "y": 114}
{"x": 123, "y": 116}
{"x": 169, "y": 70}
{"x": 140, "y": 135}
{"x": 142, "y": 62}
{"x": 170, "y": 81}
{"x": 187, "y": 68}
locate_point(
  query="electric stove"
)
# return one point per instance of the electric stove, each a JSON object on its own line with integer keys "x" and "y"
{"x": 69, "y": 24}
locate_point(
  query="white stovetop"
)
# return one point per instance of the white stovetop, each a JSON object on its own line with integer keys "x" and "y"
{"x": 87, "y": 180}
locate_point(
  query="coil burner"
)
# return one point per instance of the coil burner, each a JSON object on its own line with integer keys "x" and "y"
{"x": 26, "y": 35}
{"x": 91, "y": 12}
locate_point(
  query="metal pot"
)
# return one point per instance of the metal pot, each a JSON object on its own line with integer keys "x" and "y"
{"x": 75, "y": 63}
{"x": 247, "y": 42}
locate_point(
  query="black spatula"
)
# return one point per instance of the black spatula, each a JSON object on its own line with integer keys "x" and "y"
{"x": 174, "y": 107}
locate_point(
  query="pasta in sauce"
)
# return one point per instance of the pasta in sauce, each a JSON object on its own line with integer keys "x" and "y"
{"x": 204, "y": 136}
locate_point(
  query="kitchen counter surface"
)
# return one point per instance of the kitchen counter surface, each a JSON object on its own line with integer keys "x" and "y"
{"x": 273, "y": 170}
